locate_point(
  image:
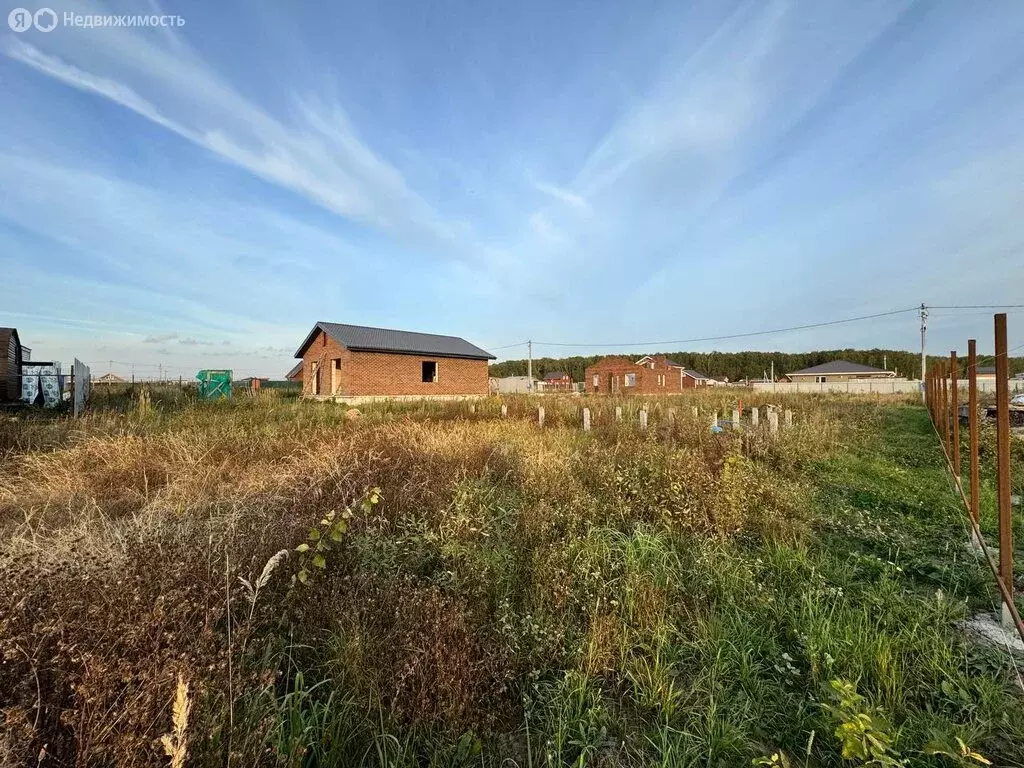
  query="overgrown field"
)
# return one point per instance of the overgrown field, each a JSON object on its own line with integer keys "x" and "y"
{"x": 270, "y": 582}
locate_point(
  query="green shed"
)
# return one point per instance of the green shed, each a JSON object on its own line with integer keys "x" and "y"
{"x": 214, "y": 385}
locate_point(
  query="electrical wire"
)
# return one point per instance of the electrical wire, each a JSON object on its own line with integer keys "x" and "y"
{"x": 974, "y": 306}
{"x": 507, "y": 346}
{"x": 730, "y": 336}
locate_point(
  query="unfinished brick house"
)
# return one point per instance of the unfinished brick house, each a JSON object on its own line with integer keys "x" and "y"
{"x": 356, "y": 361}
{"x": 650, "y": 375}
{"x": 557, "y": 381}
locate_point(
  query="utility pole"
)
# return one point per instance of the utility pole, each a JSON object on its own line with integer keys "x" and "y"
{"x": 529, "y": 366}
{"x": 924, "y": 329}
{"x": 773, "y": 369}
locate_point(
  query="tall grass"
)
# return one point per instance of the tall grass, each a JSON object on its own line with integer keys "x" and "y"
{"x": 542, "y": 597}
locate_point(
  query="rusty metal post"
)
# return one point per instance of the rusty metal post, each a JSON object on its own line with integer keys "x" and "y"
{"x": 972, "y": 427}
{"x": 955, "y": 411}
{"x": 1003, "y": 456}
{"x": 943, "y": 399}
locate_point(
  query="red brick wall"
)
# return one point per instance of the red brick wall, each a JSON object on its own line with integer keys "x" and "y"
{"x": 647, "y": 379}
{"x": 383, "y": 374}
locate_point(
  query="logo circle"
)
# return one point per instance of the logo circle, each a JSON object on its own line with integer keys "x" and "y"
{"x": 19, "y": 19}
{"x": 45, "y": 19}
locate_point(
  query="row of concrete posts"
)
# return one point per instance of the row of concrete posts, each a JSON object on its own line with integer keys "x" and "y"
{"x": 716, "y": 425}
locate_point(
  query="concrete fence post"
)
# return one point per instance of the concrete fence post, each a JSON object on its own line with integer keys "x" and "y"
{"x": 671, "y": 415}
{"x": 586, "y": 419}
{"x": 755, "y": 416}
{"x": 540, "y": 415}
{"x": 773, "y": 422}
{"x": 714, "y": 420}
{"x": 643, "y": 418}
{"x": 735, "y": 418}
{"x": 696, "y": 411}
{"x": 472, "y": 407}
{"x": 618, "y": 413}
{"x": 789, "y": 418}
{"x": 504, "y": 410}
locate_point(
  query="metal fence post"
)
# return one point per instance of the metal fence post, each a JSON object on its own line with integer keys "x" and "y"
{"x": 1003, "y": 458}
{"x": 972, "y": 427}
{"x": 955, "y": 411}
{"x": 944, "y": 412}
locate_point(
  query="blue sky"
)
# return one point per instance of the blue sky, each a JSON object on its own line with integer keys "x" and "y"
{"x": 587, "y": 171}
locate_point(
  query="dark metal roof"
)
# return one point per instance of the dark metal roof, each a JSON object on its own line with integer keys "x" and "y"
{"x": 836, "y": 367}
{"x": 550, "y": 375}
{"x": 294, "y": 371}
{"x": 986, "y": 369}
{"x": 361, "y": 338}
{"x": 673, "y": 363}
{"x": 694, "y": 374}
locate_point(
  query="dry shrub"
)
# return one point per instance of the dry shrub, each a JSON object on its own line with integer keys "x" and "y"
{"x": 430, "y": 661}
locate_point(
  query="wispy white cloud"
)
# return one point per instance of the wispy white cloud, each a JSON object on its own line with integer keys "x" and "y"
{"x": 319, "y": 154}
{"x": 160, "y": 338}
{"x": 563, "y": 195}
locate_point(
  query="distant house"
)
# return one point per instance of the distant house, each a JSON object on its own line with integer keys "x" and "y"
{"x": 108, "y": 378}
{"x": 698, "y": 378}
{"x": 557, "y": 381}
{"x": 295, "y": 374}
{"x": 340, "y": 360}
{"x": 839, "y": 370}
{"x": 650, "y": 375}
{"x": 986, "y": 372}
{"x": 10, "y": 364}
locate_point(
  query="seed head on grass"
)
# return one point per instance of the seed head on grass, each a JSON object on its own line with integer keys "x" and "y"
{"x": 175, "y": 743}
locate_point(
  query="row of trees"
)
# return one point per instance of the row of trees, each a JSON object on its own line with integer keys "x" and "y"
{"x": 743, "y": 365}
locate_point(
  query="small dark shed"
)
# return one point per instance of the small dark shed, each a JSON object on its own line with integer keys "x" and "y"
{"x": 10, "y": 364}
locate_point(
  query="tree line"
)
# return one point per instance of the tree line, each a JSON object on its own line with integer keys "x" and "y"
{"x": 736, "y": 366}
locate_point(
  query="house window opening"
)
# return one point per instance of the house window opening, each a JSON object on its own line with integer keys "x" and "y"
{"x": 429, "y": 372}
{"x": 630, "y": 379}
{"x": 597, "y": 381}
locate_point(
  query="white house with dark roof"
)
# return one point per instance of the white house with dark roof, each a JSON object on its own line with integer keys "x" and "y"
{"x": 839, "y": 370}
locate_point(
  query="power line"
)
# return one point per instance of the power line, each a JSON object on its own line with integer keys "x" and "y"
{"x": 507, "y": 346}
{"x": 732, "y": 335}
{"x": 976, "y": 306}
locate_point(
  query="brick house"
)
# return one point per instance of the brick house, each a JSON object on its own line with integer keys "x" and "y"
{"x": 650, "y": 375}
{"x": 356, "y": 361}
{"x": 10, "y": 364}
{"x": 557, "y": 381}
